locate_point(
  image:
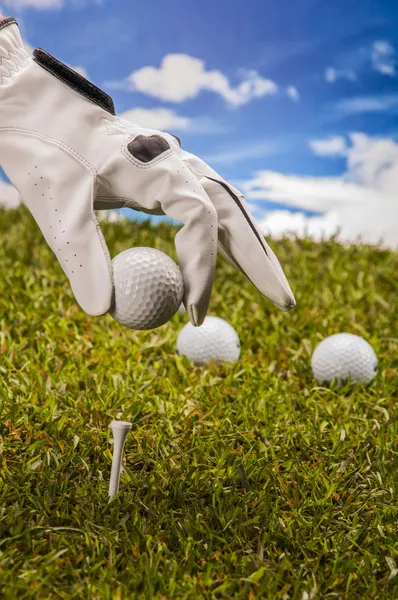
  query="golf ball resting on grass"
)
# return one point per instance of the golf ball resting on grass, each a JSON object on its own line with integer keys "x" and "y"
{"x": 148, "y": 288}
{"x": 214, "y": 340}
{"x": 343, "y": 356}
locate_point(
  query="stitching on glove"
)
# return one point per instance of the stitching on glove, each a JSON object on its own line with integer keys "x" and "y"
{"x": 18, "y": 61}
{"x": 74, "y": 80}
{"x": 118, "y": 126}
{"x": 68, "y": 149}
{"x": 137, "y": 163}
{"x": 239, "y": 204}
{"x": 8, "y": 21}
{"x": 146, "y": 148}
{"x": 198, "y": 174}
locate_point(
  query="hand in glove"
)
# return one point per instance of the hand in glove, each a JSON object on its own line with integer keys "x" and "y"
{"x": 68, "y": 154}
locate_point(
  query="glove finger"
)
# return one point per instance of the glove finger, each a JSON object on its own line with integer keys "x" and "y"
{"x": 240, "y": 240}
{"x": 60, "y": 197}
{"x": 243, "y": 242}
{"x": 182, "y": 198}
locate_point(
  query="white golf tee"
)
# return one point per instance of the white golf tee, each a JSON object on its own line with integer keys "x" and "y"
{"x": 120, "y": 430}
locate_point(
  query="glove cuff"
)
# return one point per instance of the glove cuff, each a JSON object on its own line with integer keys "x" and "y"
{"x": 9, "y": 30}
{"x": 7, "y": 21}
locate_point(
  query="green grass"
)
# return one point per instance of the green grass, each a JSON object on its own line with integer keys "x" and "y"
{"x": 242, "y": 481}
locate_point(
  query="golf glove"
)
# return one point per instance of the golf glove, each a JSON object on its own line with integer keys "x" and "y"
{"x": 68, "y": 154}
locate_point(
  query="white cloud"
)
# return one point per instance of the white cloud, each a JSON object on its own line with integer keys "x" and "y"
{"x": 157, "y": 118}
{"x": 383, "y": 58}
{"x": 293, "y": 93}
{"x": 308, "y": 193}
{"x": 182, "y": 77}
{"x": 367, "y": 104}
{"x": 238, "y": 154}
{"x": 282, "y": 223}
{"x": 362, "y": 203}
{"x": 9, "y": 197}
{"x": 332, "y": 74}
{"x": 333, "y": 146}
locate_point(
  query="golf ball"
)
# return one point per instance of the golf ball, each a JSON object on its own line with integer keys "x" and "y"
{"x": 149, "y": 288}
{"x": 214, "y": 339}
{"x": 344, "y": 355}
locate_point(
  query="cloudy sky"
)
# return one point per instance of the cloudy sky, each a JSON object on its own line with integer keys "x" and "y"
{"x": 296, "y": 103}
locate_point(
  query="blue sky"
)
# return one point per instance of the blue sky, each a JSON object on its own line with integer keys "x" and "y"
{"x": 295, "y": 102}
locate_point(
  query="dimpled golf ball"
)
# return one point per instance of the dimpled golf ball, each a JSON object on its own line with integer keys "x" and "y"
{"x": 343, "y": 356}
{"x": 149, "y": 288}
{"x": 214, "y": 339}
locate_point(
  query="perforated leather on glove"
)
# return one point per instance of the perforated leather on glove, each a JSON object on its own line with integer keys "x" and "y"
{"x": 68, "y": 154}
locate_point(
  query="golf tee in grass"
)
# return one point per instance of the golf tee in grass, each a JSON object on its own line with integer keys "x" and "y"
{"x": 120, "y": 430}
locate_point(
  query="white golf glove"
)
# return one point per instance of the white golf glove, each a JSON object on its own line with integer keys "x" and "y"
{"x": 67, "y": 154}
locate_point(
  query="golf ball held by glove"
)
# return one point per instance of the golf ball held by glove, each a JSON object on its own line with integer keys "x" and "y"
{"x": 148, "y": 288}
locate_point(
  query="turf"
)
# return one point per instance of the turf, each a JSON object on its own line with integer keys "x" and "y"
{"x": 241, "y": 481}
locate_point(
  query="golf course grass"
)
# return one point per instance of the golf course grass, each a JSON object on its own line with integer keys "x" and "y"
{"x": 242, "y": 481}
